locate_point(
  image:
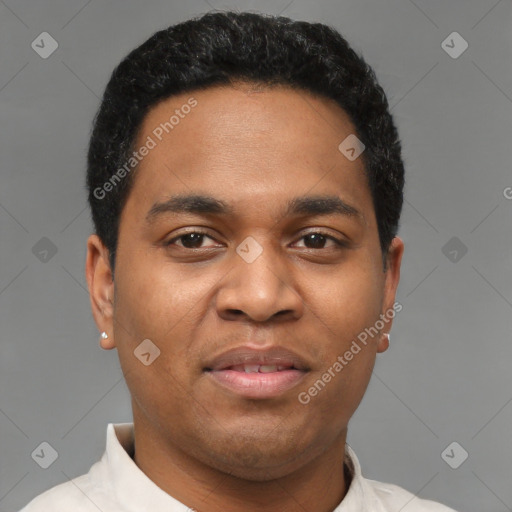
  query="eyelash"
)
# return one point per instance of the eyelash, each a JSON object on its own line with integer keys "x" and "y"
{"x": 339, "y": 243}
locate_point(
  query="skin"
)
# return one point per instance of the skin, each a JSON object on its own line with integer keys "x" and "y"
{"x": 255, "y": 149}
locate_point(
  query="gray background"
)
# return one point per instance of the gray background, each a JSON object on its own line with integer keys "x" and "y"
{"x": 446, "y": 376}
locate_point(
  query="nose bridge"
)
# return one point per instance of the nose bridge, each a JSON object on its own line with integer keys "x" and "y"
{"x": 260, "y": 283}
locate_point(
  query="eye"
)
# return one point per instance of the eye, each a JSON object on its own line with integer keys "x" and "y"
{"x": 190, "y": 240}
{"x": 194, "y": 240}
{"x": 318, "y": 239}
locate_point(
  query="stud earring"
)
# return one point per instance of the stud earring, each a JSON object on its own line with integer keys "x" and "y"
{"x": 105, "y": 341}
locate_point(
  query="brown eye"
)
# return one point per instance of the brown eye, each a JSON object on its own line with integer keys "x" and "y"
{"x": 317, "y": 240}
{"x": 191, "y": 240}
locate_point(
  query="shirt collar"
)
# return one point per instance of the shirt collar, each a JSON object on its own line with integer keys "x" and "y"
{"x": 360, "y": 496}
{"x": 130, "y": 487}
{"x": 135, "y": 492}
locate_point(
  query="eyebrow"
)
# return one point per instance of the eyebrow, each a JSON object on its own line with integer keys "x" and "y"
{"x": 202, "y": 204}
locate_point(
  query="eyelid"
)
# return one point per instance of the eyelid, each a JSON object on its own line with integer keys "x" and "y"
{"x": 326, "y": 234}
{"x": 199, "y": 231}
{"x": 320, "y": 231}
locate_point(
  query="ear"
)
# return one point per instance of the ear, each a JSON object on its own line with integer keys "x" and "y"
{"x": 101, "y": 288}
{"x": 392, "y": 278}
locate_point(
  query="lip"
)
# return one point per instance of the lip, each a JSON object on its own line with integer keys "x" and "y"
{"x": 225, "y": 370}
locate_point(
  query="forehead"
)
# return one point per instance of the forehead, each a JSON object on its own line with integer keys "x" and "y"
{"x": 248, "y": 145}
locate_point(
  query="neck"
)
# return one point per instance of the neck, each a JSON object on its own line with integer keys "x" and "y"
{"x": 319, "y": 485}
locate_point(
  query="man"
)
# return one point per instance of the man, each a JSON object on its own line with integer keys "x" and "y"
{"x": 245, "y": 180}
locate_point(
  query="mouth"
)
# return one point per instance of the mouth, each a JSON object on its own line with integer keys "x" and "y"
{"x": 257, "y": 374}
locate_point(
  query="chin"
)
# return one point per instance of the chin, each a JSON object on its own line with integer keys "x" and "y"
{"x": 256, "y": 467}
{"x": 254, "y": 457}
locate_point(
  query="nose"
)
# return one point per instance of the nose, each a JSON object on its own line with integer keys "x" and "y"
{"x": 262, "y": 290}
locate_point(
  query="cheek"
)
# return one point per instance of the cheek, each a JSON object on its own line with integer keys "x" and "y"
{"x": 155, "y": 297}
{"x": 348, "y": 302}
{"x": 167, "y": 305}
{"x": 346, "y": 310}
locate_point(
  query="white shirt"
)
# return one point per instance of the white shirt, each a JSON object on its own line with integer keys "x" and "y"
{"x": 116, "y": 484}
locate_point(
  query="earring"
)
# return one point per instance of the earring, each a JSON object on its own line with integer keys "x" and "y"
{"x": 383, "y": 342}
{"x": 106, "y": 342}
{"x": 388, "y": 336}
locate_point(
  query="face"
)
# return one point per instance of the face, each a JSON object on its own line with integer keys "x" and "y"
{"x": 248, "y": 243}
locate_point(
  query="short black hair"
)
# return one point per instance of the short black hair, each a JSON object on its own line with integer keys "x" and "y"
{"x": 221, "y": 48}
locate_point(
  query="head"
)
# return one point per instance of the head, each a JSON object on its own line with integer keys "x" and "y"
{"x": 226, "y": 215}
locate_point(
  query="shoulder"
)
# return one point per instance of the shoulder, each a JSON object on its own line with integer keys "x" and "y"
{"x": 76, "y": 495}
{"x": 395, "y": 498}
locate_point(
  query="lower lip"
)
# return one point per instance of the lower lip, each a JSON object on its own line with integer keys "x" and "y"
{"x": 257, "y": 384}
